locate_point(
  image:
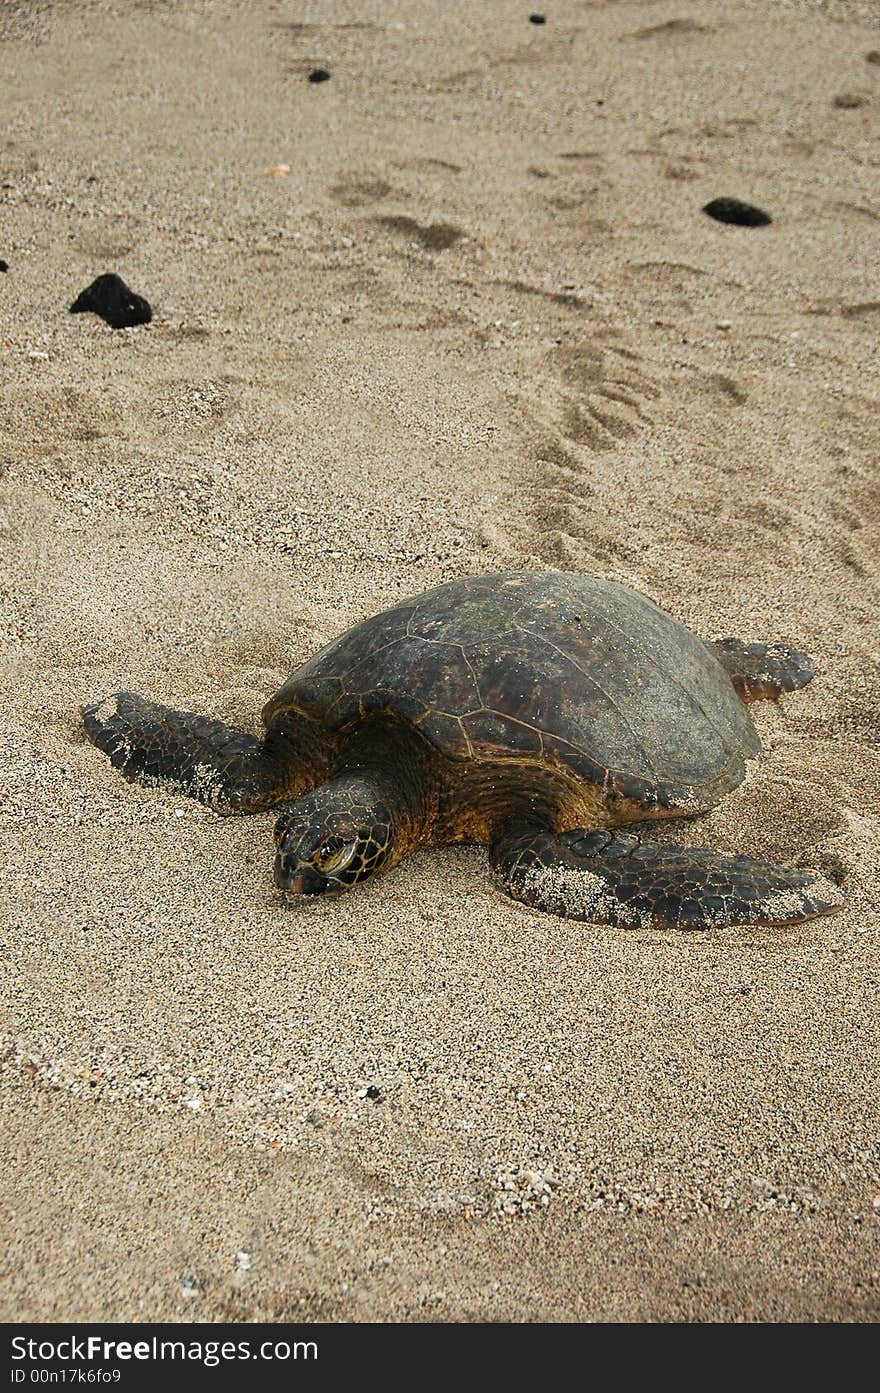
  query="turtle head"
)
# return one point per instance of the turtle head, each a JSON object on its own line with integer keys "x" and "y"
{"x": 332, "y": 838}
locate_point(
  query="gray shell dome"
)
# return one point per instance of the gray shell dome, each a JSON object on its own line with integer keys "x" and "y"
{"x": 581, "y": 674}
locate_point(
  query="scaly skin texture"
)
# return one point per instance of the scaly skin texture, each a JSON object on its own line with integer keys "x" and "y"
{"x": 612, "y": 878}
{"x": 330, "y": 839}
{"x": 763, "y": 671}
{"x": 231, "y": 771}
{"x": 380, "y": 805}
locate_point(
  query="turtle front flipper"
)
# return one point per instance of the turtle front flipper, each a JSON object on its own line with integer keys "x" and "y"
{"x": 611, "y": 878}
{"x": 763, "y": 671}
{"x": 199, "y": 757}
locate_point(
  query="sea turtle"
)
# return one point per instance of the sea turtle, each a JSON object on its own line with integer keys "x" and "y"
{"x": 533, "y": 712}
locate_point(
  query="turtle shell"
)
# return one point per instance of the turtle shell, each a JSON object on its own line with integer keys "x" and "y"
{"x": 581, "y": 674}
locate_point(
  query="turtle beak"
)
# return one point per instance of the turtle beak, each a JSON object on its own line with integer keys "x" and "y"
{"x": 298, "y": 880}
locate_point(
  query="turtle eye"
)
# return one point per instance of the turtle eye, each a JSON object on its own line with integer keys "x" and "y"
{"x": 335, "y": 853}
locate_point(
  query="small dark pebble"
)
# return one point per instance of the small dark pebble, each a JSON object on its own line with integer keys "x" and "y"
{"x": 873, "y": 56}
{"x": 742, "y": 214}
{"x": 111, "y": 298}
{"x": 3, "y": 266}
{"x": 319, "y": 75}
{"x": 537, "y": 19}
{"x": 374, "y": 1093}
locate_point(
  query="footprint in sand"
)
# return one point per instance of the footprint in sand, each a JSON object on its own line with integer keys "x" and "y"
{"x": 359, "y": 192}
{"x": 590, "y": 398}
{"x": 434, "y": 237}
{"x": 597, "y": 395}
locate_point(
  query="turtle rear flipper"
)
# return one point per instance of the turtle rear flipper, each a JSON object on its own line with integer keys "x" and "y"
{"x": 612, "y": 878}
{"x": 201, "y": 758}
{"x": 763, "y": 671}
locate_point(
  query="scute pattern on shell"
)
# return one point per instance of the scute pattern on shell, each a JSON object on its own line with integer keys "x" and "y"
{"x": 582, "y": 674}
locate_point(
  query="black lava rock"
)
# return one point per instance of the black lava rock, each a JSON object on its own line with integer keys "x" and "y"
{"x": 111, "y": 298}
{"x": 537, "y": 19}
{"x": 3, "y": 266}
{"x": 319, "y": 75}
{"x": 733, "y": 211}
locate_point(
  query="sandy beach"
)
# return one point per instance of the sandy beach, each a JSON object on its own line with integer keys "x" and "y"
{"x": 456, "y": 309}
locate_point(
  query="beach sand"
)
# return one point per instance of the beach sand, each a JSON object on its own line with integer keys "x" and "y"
{"x": 480, "y": 323}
